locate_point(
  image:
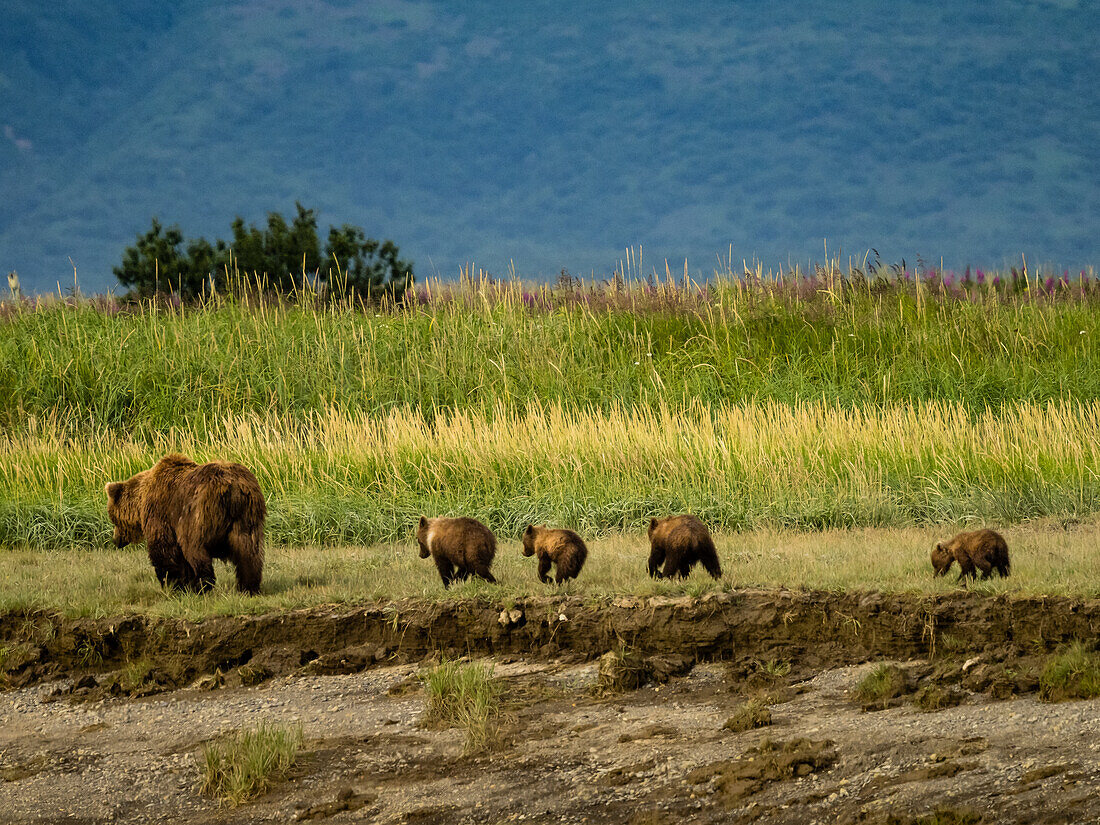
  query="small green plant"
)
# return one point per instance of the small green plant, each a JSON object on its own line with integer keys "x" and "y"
{"x": 1073, "y": 673}
{"x": 775, "y": 668}
{"x": 243, "y": 765}
{"x": 135, "y": 674}
{"x": 88, "y": 653}
{"x": 6, "y": 659}
{"x": 753, "y": 714}
{"x": 878, "y": 689}
{"x": 464, "y": 695}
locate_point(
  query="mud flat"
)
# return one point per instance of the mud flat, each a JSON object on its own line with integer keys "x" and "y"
{"x": 102, "y": 719}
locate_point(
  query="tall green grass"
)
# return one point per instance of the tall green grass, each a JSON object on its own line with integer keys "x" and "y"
{"x": 152, "y": 368}
{"x": 356, "y": 478}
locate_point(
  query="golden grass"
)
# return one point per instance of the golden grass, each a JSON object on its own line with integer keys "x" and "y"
{"x": 350, "y": 478}
{"x": 1046, "y": 559}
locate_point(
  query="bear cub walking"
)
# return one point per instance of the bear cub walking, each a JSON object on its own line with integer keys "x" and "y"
{"x": 679, "y": 542}
{"x": 563, "y": 548}
{"x": 983, "y": 550}
{"x": 189, "y": 514}
{"x": 459, "y": 546}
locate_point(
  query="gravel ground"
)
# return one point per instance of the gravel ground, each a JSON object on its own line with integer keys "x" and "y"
{"x": 657, "y": 754}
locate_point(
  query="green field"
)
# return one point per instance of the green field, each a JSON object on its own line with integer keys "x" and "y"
{"x": 144, "y": 370}
{"x": 794, "y": 404}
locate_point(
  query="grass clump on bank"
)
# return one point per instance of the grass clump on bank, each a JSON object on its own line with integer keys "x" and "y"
{"x": 883, "y": 686}
{"x": 1073, "y": 673}
{"x": 244, "y": 765}
{"x": 751, "y": 715}
{"x": 463, "y": 695}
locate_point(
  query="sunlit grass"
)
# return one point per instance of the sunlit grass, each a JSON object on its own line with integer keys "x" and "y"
{"x": 1046, "y": 560}
{"x": 245, "y": 764}
{"x": 350, "y": 478}
{"x": 463, "y": 695}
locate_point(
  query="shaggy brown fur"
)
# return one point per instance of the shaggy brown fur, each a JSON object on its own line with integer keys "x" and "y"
{"x": 460, "y": 547}
{"x": 563, "y": 548}
{"x": 983, "y": 550}
{"x": 189, "y": 514}
{"x": 679, "y": 542}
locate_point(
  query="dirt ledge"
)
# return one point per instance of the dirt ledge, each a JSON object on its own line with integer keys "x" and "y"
{"x": 813, "y": 630}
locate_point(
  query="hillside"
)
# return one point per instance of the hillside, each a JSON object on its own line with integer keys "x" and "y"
{"x": 495, "y": 133}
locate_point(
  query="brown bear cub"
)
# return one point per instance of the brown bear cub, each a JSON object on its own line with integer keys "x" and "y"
{"x": 460, "y": 547}
{"x": 983, "y": 550}
{"x": 189, "y": 514}
{"x": 679, "y": 542}
{"x": 563, "y": 548}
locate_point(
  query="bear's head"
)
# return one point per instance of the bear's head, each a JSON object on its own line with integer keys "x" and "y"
{"x": 422, "y": 537}
{"x": 942, "y": 559}
{"x": 124, "y": 500}
{"x": 530, "y": 536}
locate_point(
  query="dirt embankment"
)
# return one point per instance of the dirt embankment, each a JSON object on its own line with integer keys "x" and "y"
{"x": 811, "y": 630}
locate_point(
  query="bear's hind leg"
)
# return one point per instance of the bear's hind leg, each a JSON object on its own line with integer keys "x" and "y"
{"x": 203, "y": 579}
{"x": 247, "y": 553}
{"x": 544, "y": 569}
{"x": 483, "y": 571}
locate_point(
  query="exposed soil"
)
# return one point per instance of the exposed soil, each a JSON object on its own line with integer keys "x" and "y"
{"x": 103, "y": 719}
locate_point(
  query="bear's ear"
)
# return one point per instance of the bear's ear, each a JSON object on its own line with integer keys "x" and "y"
{"x": 939, "y": 546}
{"x": 423, "y": 521}
{"x": 530, "y": 529}
{"x": 652, "y": 524}
{"x": 114, "y": 491}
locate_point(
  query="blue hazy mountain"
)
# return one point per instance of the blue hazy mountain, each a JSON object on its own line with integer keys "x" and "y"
{"x": 555, "y": 135}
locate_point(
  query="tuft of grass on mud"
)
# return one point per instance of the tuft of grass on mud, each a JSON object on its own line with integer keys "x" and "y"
{"x": 931, "y": 698}
{"x": 464, "y": 695}
{"x": 243, "y": 765}
{"x": 619, "y": 671}
{"x": 1073, "y": 673}
{"x": 751, "y": 715}
{"x": 135, "y": 674}
{"x": 881, "y": 687}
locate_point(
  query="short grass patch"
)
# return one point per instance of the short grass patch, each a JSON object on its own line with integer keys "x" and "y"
{"x": 465, "y": 695}
{"x": 243, "y": 765}
{"x": 135, "y": 674}
{"x": 751, "y": 715}
{"x": 881, "y": 687}
{"x": 1073, "y": 673}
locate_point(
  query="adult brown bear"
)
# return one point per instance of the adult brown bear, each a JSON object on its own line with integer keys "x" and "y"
{"x": 459, "y": 546}
{"x": 679, "y": 542}
{"x": 562, "y": 548}
{"x": 189, "y": 514}
{"x": 984, "y": 550}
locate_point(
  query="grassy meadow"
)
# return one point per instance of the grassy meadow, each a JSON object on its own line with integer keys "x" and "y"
{"x": 767, "y": 405}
